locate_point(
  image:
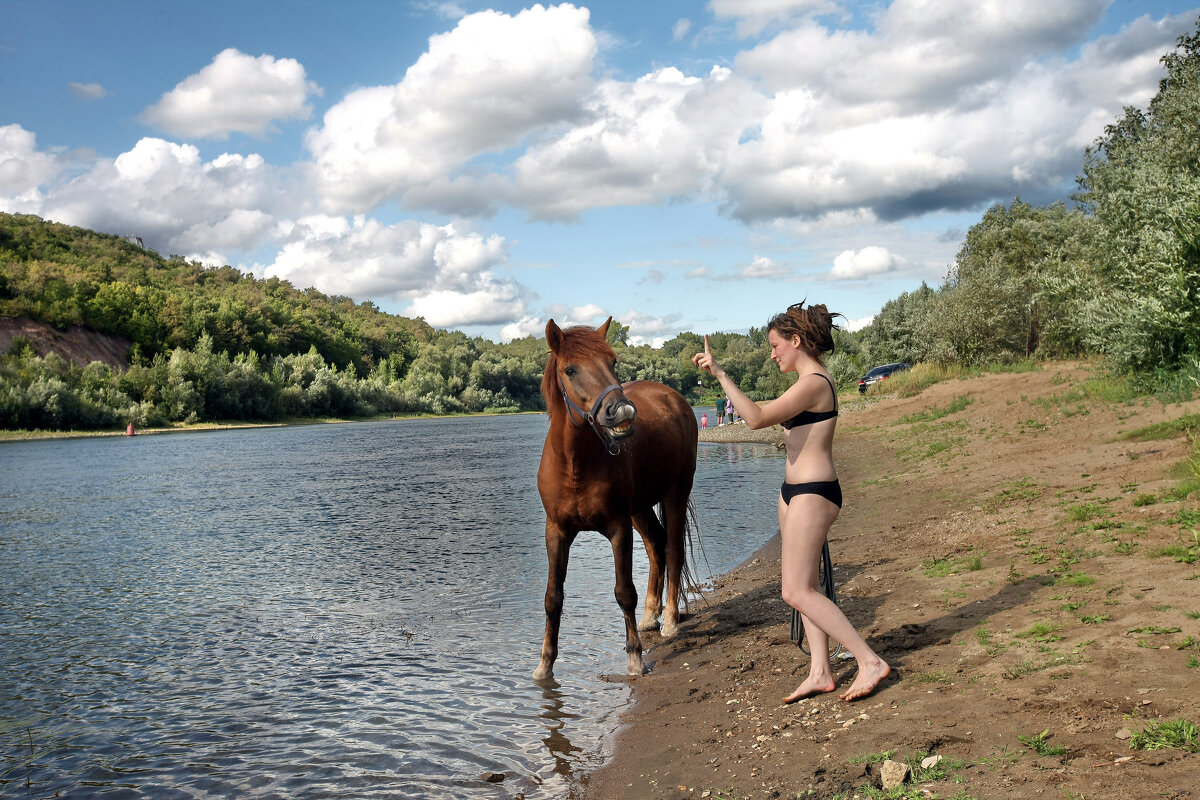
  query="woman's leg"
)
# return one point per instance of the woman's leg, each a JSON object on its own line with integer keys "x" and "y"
{"x": 820, "y": 677}
{"x": 804, "y": 525}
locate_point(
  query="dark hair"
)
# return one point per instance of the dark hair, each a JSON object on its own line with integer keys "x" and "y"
{"x": 814, "y": 325}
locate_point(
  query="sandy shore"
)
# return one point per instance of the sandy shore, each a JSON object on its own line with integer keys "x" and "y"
{"x": 1007, "y": 559}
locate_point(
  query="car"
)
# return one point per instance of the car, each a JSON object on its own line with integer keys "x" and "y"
{"x": 879, "y": 373}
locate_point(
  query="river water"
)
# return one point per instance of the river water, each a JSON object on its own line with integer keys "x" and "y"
{"x": 320, "y": 611}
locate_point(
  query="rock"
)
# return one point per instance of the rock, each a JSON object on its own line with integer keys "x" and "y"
{"x": 893, "y": 774}
{"x": 1124, "y": 734}
{"x": 930, "y": 762}
{"x": 493, "y": 777}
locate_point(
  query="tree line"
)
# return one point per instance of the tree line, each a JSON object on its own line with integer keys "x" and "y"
{"x": 1116, "y": 274}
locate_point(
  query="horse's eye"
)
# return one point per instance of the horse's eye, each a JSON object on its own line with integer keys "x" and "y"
{"x": 570, "y": 372}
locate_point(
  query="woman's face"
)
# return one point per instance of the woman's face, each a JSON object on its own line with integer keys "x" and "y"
{"x": 784, "y": 352}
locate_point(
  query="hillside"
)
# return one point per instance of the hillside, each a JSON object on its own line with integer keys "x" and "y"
{"x": 1028, "y": 568}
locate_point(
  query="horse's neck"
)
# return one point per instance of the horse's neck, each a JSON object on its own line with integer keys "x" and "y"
{"x": 575, "y": 446}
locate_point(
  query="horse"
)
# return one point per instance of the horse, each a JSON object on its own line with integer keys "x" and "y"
{"x": 606, "y": 469}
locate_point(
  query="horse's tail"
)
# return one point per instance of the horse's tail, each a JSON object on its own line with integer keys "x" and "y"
{"x": 691, "y": 538}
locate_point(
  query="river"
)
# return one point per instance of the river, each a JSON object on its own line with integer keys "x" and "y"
{"x": 316, "y": 611}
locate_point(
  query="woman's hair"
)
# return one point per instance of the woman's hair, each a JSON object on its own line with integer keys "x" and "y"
{"x": 814, "y": 325}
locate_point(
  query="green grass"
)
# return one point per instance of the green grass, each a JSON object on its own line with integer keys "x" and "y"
{"x": 1022, "y": 491}
{"x": 1080, "y": 579}
{"x": 1177, "y": 734}
{"x": 1040, "y": 745}
{"x": 937, "y": 412}
{"x": 1041, "y": 632}
{"x": 943, "y": 566}
{"x": 1187, "y": 425}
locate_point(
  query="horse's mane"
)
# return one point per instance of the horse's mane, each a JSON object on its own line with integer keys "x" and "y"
{"x": 579, "y": 343}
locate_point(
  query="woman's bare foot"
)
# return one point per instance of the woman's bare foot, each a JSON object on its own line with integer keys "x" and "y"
{"x": 810, "y": 687}
{"x": 869, "y": 676}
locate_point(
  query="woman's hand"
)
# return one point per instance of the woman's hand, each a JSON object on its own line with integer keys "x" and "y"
{"x": 706, "y": 362}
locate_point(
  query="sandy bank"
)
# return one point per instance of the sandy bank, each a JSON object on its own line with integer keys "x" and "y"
{"x": 1005, "y": 559}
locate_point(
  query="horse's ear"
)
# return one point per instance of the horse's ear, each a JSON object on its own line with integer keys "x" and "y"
{"x": 553, "y": 336}
{"x": 603, "y": 329}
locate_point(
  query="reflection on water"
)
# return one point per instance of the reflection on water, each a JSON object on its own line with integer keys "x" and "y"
{"x": 324, "y": 611}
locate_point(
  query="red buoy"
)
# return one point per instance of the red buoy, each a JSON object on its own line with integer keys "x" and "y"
{"x": 129, "y": 430}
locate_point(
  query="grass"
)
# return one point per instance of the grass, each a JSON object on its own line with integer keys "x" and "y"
{"x": 942, "y": 566}
{"x": 1022, "y": 491}
{"x": 1041, "y": 632}
{"x": 1187, "y": 552}
{"x": 937, "y": 412}
{"x": 917, "y": 787}
{"x": 1080, "y": 579}
{"x": 1176, "y": 734}
{"x": 1040, "y": 745}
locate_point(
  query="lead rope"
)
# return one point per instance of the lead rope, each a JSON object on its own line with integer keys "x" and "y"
{"x": 589, "y": 417}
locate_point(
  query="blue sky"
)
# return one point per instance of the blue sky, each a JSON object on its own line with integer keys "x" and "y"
{"x": 489, "y": 166}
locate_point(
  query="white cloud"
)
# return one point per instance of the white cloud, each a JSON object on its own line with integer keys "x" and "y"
{"x": 525, "y": 326}
{"x": 235, "y": 93}
{"x": 565, "y": 316}
{"x": 483, "y": 87}
{"x": 648, "y": 141}
{"x": 866, "y": 262}
{"x": 88, "y": 91}
{"x": 23, "y": 170}
{"x": 165, "y": 193}
{"x": 754, "y": 15}
{"x": 763, "y": 267}
{"x": 648, "y": 329}
{"x": 445, "y": 275}
{"x": 859, "y": 324}
{"x": 680, "y": 28}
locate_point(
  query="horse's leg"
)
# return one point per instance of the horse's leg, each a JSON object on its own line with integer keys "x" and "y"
{"x": 654, "y": 536}
{"x": 620, "y": 536}
{"x": 558, "y": 552}
{"x": 675, "y": 512}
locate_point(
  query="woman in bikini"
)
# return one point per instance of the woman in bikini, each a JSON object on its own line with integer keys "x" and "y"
{"x": 811, "y": 497}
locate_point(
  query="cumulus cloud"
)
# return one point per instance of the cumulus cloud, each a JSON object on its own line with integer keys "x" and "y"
{"x": 939, "y": 107}
{"x": 165, "y": 193}
{"x": 23, "y": 169}
{"x": 864, "y": 263}
{"x": 445, "y": 274}
{"x": 648, "y": 141}
{"x": 754, "y": 15}
{"x": 483, "y": 87}
{"x": 88, "y": 91}
{"x": 235, "y": 93}
{"x": 649, "y": 329}
{"x": 859, "y": 324}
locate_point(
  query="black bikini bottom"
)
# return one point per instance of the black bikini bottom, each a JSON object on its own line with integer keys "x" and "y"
{"x": 830, "y": 490}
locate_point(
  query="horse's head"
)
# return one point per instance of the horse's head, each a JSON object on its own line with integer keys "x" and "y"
{"x": 582, "y": 368}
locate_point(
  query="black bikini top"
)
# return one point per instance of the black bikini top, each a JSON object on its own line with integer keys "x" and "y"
{"x": 810, "y": 417}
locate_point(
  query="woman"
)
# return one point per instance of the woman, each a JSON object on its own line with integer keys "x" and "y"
{"x": 811, "y": 496}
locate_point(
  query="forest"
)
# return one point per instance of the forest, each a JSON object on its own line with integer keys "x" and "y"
{"x": 1113, "y": 274}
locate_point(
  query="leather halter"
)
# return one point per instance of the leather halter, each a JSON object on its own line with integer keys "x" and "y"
{"x": 610, "y": 444}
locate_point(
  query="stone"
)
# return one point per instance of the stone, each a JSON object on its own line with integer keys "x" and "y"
{"x": 493, "y": 777}
{"x": 1124, "y": 734}
{"x": 893, "y": 774}
{"x": 930, "y": 762}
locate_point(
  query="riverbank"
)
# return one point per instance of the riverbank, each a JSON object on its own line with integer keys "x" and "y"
{"x": 1029, "y": 572}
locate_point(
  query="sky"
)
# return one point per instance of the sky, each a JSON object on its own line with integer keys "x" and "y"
{"x": 680, "y": 166}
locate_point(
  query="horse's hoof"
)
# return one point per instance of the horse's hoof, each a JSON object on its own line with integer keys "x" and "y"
{"x": 636, "y": 667}
{"x": 669, "y": 629}
{"x": 543, "y": 673}
{"x": 650, "y": 625}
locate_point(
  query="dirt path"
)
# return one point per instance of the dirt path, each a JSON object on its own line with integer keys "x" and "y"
{"x": 1002, "y": 557}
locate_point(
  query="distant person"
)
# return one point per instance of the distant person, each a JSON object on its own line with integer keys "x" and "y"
{"x": 720, "y": 411}
{"x": 704, "y": 420}
{"x": 811, "y": 497}
{"x": 730, "y": 412}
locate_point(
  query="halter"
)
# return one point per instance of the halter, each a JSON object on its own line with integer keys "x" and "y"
{"x": 589, "y": 417}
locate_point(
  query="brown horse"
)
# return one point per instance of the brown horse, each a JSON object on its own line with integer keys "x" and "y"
{"x": 601, "y": 472}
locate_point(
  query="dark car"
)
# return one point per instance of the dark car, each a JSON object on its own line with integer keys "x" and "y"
{"x": 878, "y": 374}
